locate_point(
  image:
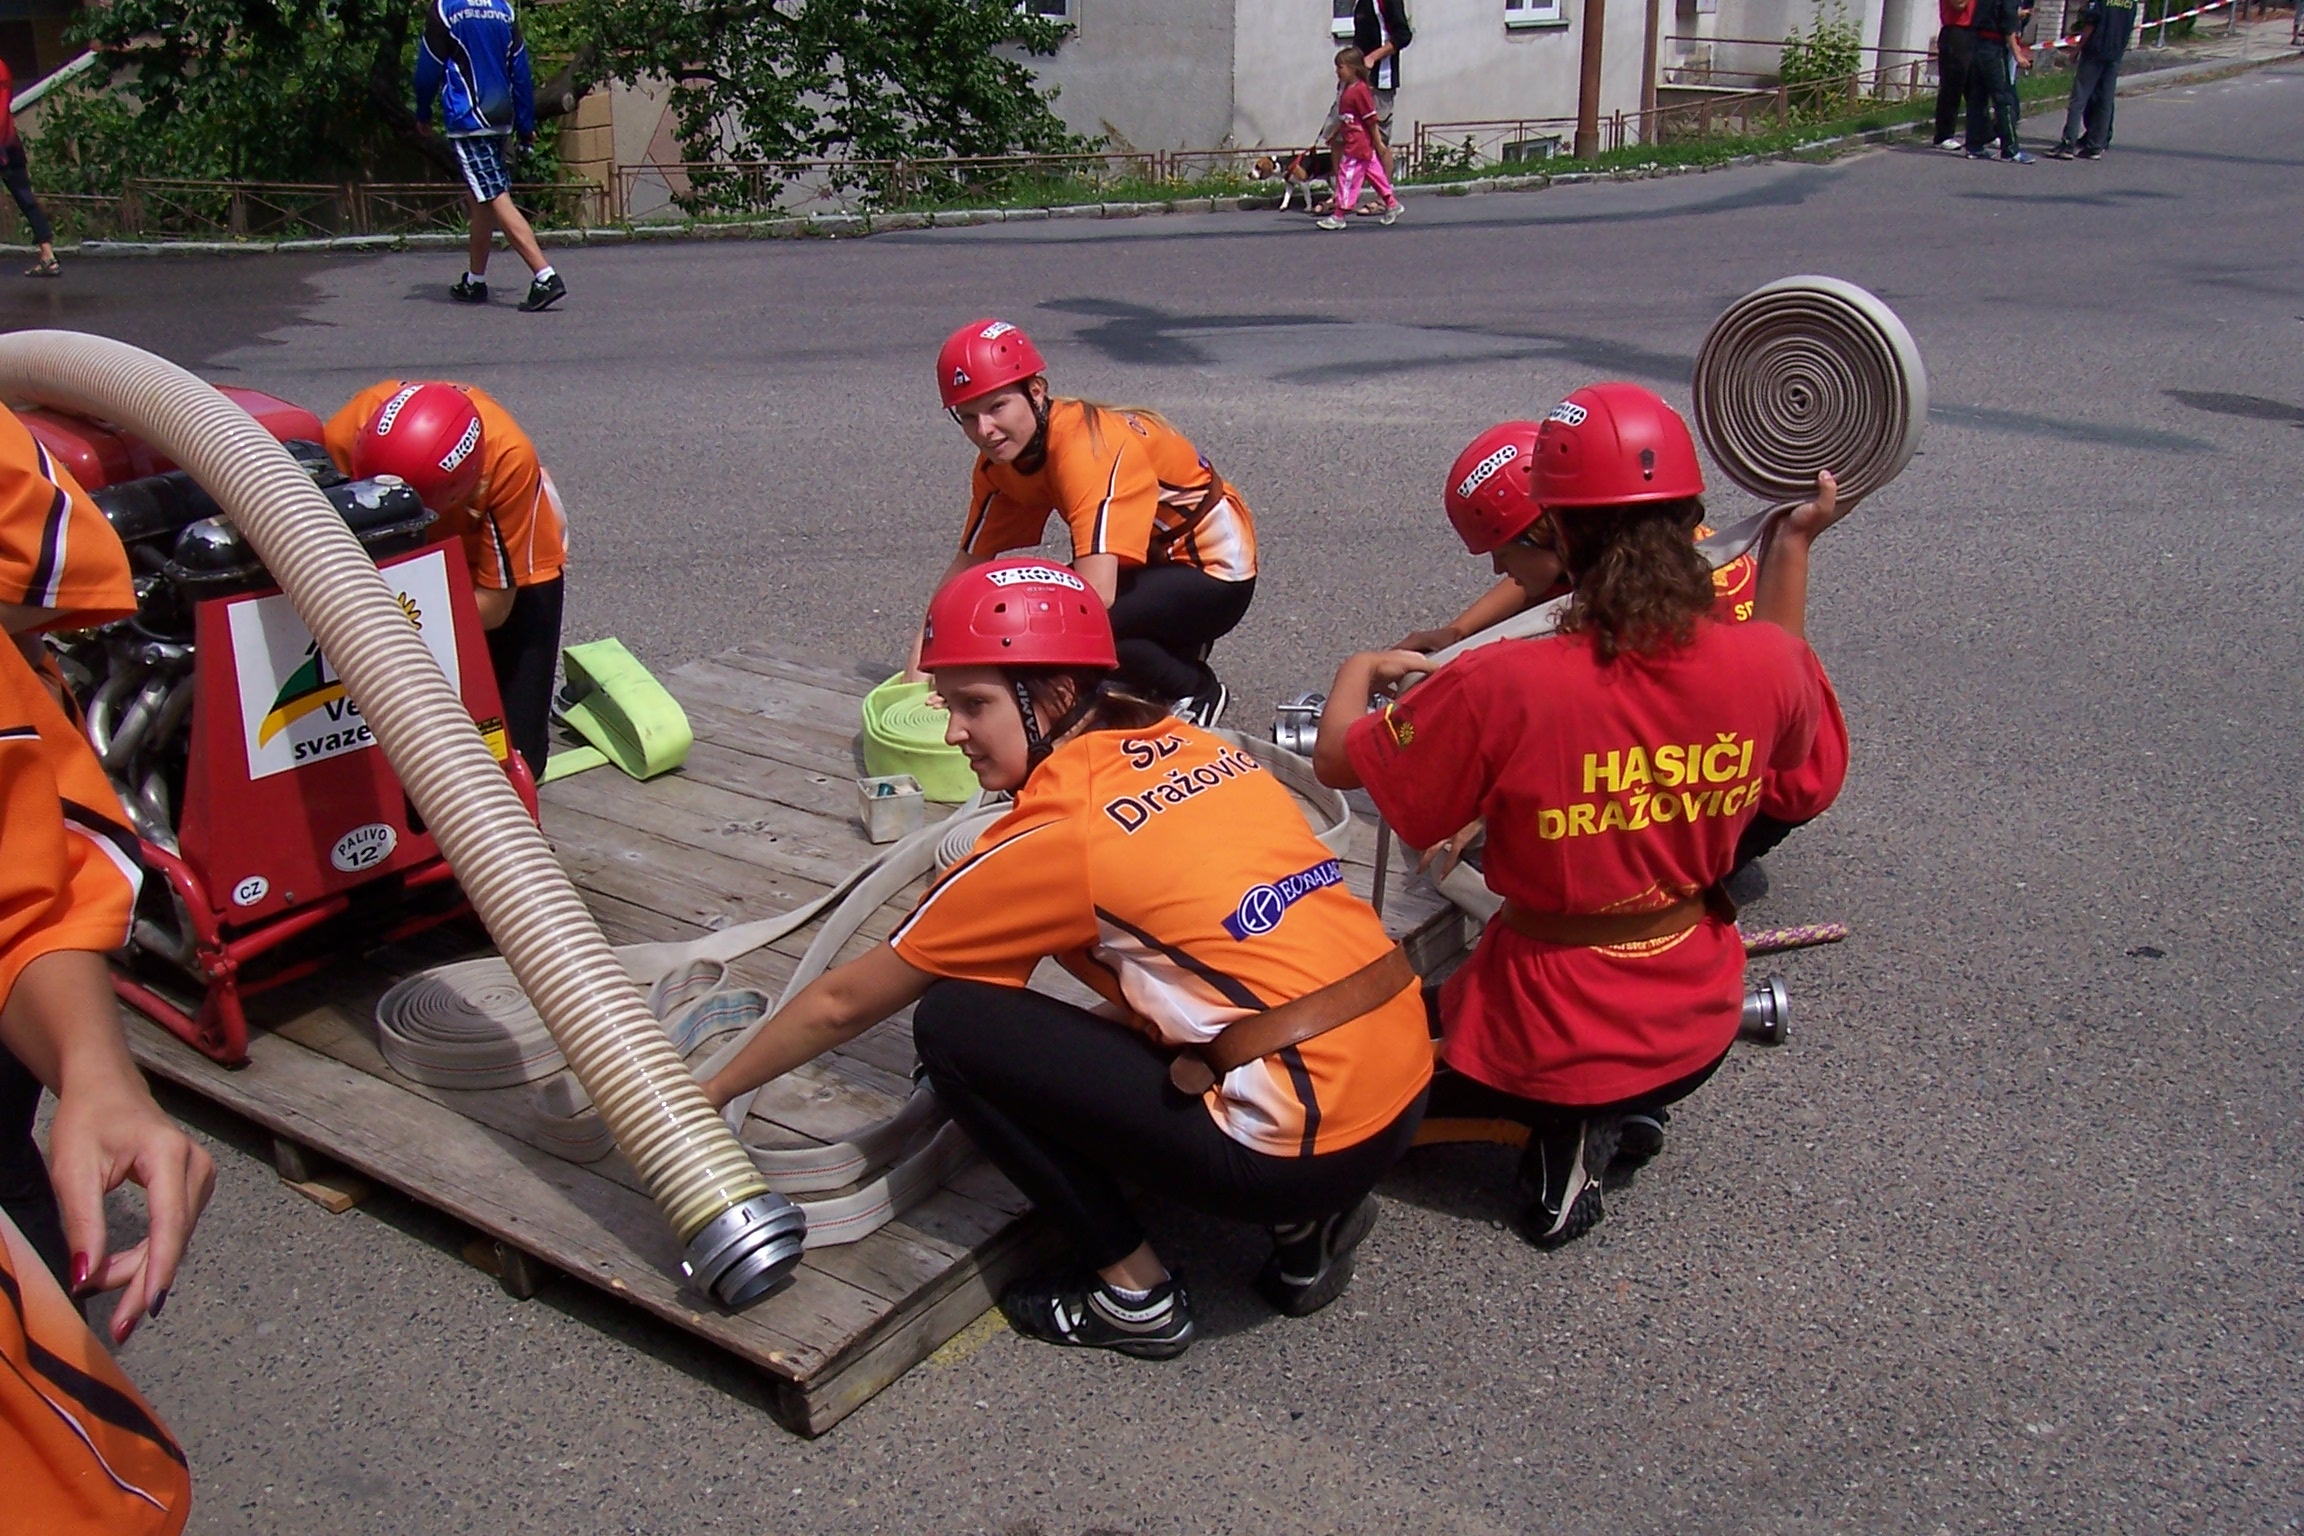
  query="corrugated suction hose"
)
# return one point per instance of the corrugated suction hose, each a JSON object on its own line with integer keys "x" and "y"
{"x": 742, "y": 1240}
{"x": 1808, "y": 374}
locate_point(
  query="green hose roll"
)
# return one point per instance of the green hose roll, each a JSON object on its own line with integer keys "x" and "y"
{"x": 904, "y": 733}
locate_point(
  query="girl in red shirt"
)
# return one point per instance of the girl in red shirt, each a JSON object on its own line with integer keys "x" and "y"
{"x": 1355, "y": 143}
{"x": 1616, "y": 764}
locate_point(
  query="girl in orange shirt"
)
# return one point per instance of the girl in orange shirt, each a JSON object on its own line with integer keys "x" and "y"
{"x": 1156, "y": 532}
{"x": 1262, "y": 1053}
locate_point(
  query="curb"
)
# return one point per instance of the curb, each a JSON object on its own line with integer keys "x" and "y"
{"x": 835, "y": 226}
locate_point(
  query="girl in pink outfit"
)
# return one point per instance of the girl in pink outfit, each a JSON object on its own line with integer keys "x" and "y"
{"x": 1355, "y": 143}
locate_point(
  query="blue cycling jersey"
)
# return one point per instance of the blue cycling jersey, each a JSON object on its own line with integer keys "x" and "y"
{"x": 475, "y": 61}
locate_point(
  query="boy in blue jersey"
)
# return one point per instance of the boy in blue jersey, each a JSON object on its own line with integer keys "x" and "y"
{"x": 474, "y": 60}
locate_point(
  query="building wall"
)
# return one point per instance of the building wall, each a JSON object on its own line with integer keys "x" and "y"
{"x": 1465, "y": 64}
{"x": 1150, "y": 74}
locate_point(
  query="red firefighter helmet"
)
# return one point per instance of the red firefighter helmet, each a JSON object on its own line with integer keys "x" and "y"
{"x": 982, "y": 356}
{"x": 1492, "y": 487}
{"x": 1608, "y": 444}
{"x": 1017, "y": 613}
{"x": 429, "y": 435}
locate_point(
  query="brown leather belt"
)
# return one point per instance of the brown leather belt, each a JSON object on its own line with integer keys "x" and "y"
{"x": 1210, "y": 499}
{"x": 1197, "y": 1069}
{"x": 1603, "y": 930}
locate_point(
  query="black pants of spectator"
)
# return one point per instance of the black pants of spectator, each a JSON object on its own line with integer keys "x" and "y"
{"x": 1164, "y": 616}
{"x": 1457, "y": 1097}
{"x": 25, "y": 1193}
{"x": 1955, "y": 46}
{"x": 18, "y": 175}
{"x": 1991, "y": 98}
{"x": 525, "y": 652}
{"x": 2088, "y": 121}
{"x": 1067, "y": 1104}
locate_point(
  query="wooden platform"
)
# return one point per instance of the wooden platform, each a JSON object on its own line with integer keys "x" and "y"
{"x": 761, "y": 819}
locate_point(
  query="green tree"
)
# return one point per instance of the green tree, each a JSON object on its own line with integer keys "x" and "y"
{"x": 1832, "y": 50}
{"x": 319, "y": 90}
{"x": 872, "y": 79}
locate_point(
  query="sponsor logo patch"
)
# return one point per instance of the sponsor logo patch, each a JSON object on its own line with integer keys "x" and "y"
{"x": 1569, "y": 414}
{"x": 994, "y": 331}
{"x": 959, "y": 377}
{"x": 1261, "y": 909}
{"x": 1048, "y": 575}
{"x": 391, "y": 411}
{"x": 1485, "y": 470}
{"x": 463, "y": 449}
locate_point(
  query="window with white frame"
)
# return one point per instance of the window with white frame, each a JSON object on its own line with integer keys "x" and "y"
{"x": 1533, "y": 13}
{"x": 1047, "y": 10}
{"x": 1340, "y": 20}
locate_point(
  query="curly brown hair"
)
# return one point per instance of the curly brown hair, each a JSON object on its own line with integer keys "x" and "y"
{"x": 1640, "y": 586}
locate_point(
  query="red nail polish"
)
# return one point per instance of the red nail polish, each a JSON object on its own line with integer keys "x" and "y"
{"x": 80, "y": 1267}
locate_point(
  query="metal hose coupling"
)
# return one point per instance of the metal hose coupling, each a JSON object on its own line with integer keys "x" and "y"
{"x": 742, "y": 1240}
{"x": 1809, "y": 374}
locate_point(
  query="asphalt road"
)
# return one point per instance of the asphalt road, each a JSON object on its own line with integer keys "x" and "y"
{"x": 2006, "y": 1238}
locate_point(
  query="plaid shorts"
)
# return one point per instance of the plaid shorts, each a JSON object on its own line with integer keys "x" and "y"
{"x": 487, "y": 165}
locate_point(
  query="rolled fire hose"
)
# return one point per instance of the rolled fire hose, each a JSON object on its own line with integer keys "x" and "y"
{"x": 468, "y": 1026}
{"x": 741, "y": 1240}
{"x": 1799, "y": 376}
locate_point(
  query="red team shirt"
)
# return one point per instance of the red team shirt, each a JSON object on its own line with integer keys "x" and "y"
{"x": 1735, "y": 591}
{"x": 1616, "y": 788}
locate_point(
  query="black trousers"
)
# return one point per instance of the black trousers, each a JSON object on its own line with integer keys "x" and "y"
{"x": 1163, "y": 616}
{"x": 1457, "y": 1097}
{"x": 1991, "y": 98}
{"x": 1067, "y": 1104}
{"x": 525, "y": 652}
{"x": 25, "y": 1193}
{"x": 1955, "y": 46}
{"x": 18, "y": 175}
{"x": 2095, "y": 88}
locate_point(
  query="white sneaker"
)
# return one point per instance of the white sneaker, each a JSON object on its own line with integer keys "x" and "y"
{"x": 1391, "y": 215}
{"x": 1951, "y": 146}
{"x": 1331, "y": 222}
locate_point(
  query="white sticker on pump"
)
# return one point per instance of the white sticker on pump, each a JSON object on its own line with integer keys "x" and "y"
{"x": 364, "y": 847}
{"x": 293, "y": 708}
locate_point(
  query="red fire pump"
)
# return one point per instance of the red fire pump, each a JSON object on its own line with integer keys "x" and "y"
{"x": 257, "y": 791}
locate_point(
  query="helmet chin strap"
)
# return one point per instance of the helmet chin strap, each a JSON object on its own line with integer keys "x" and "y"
{"x": 1037, "y": 743}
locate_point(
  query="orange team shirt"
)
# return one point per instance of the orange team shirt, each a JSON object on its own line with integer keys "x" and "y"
{"x": 81, "y": 1453}
{"x": 1616, "y": 788}
{"x": 1128, "y": 487}
{"x": 56, "y": 550}
{"x": 69, "y": 865}
{"x": 1735, "y": 593}
{"x": 1171, "y": 872}
{"x": 516, "y": 532}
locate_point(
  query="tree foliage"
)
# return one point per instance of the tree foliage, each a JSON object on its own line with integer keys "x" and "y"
{"x": 1832, "y": 50}
{"x": 319, "y": 90}
{"x": 870, "y": 79}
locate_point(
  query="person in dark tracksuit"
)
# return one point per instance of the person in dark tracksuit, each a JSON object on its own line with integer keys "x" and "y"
{"x": 1992, "y": 83}
{"x": 15, "y": 171}
{"x": 1955, "y": 47}
{"x": 2105, "y": 28}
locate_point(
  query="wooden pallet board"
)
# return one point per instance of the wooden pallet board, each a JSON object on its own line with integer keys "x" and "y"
{"x": 761, "y": 819}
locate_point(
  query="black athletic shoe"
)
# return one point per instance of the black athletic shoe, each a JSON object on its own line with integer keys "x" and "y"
{"x": 1560, "y": 1181}
{"x": 467, "y": 291}
{"x": 1311, "y": 1262}
{"x": 543, "y": 293}
{"x": 1205, "y": 709}
{"x": 2059, "y": 151}
{"x": 1639, "y": 1137}
{"x": 2090, "y": 152}
{"x": 1084, "y": 1312}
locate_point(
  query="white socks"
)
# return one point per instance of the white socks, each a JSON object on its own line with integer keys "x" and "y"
{"x": 544, "y": 274}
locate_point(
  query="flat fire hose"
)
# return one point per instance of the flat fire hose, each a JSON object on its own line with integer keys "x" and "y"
{"x": 1799, "y": 376}
{"x": 469, "y": 1026}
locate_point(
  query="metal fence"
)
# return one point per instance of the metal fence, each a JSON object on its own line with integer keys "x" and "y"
{"x": 1438, "y": 148}
{"x": 654, "y": 189}
{"x": 241, "y": 210}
